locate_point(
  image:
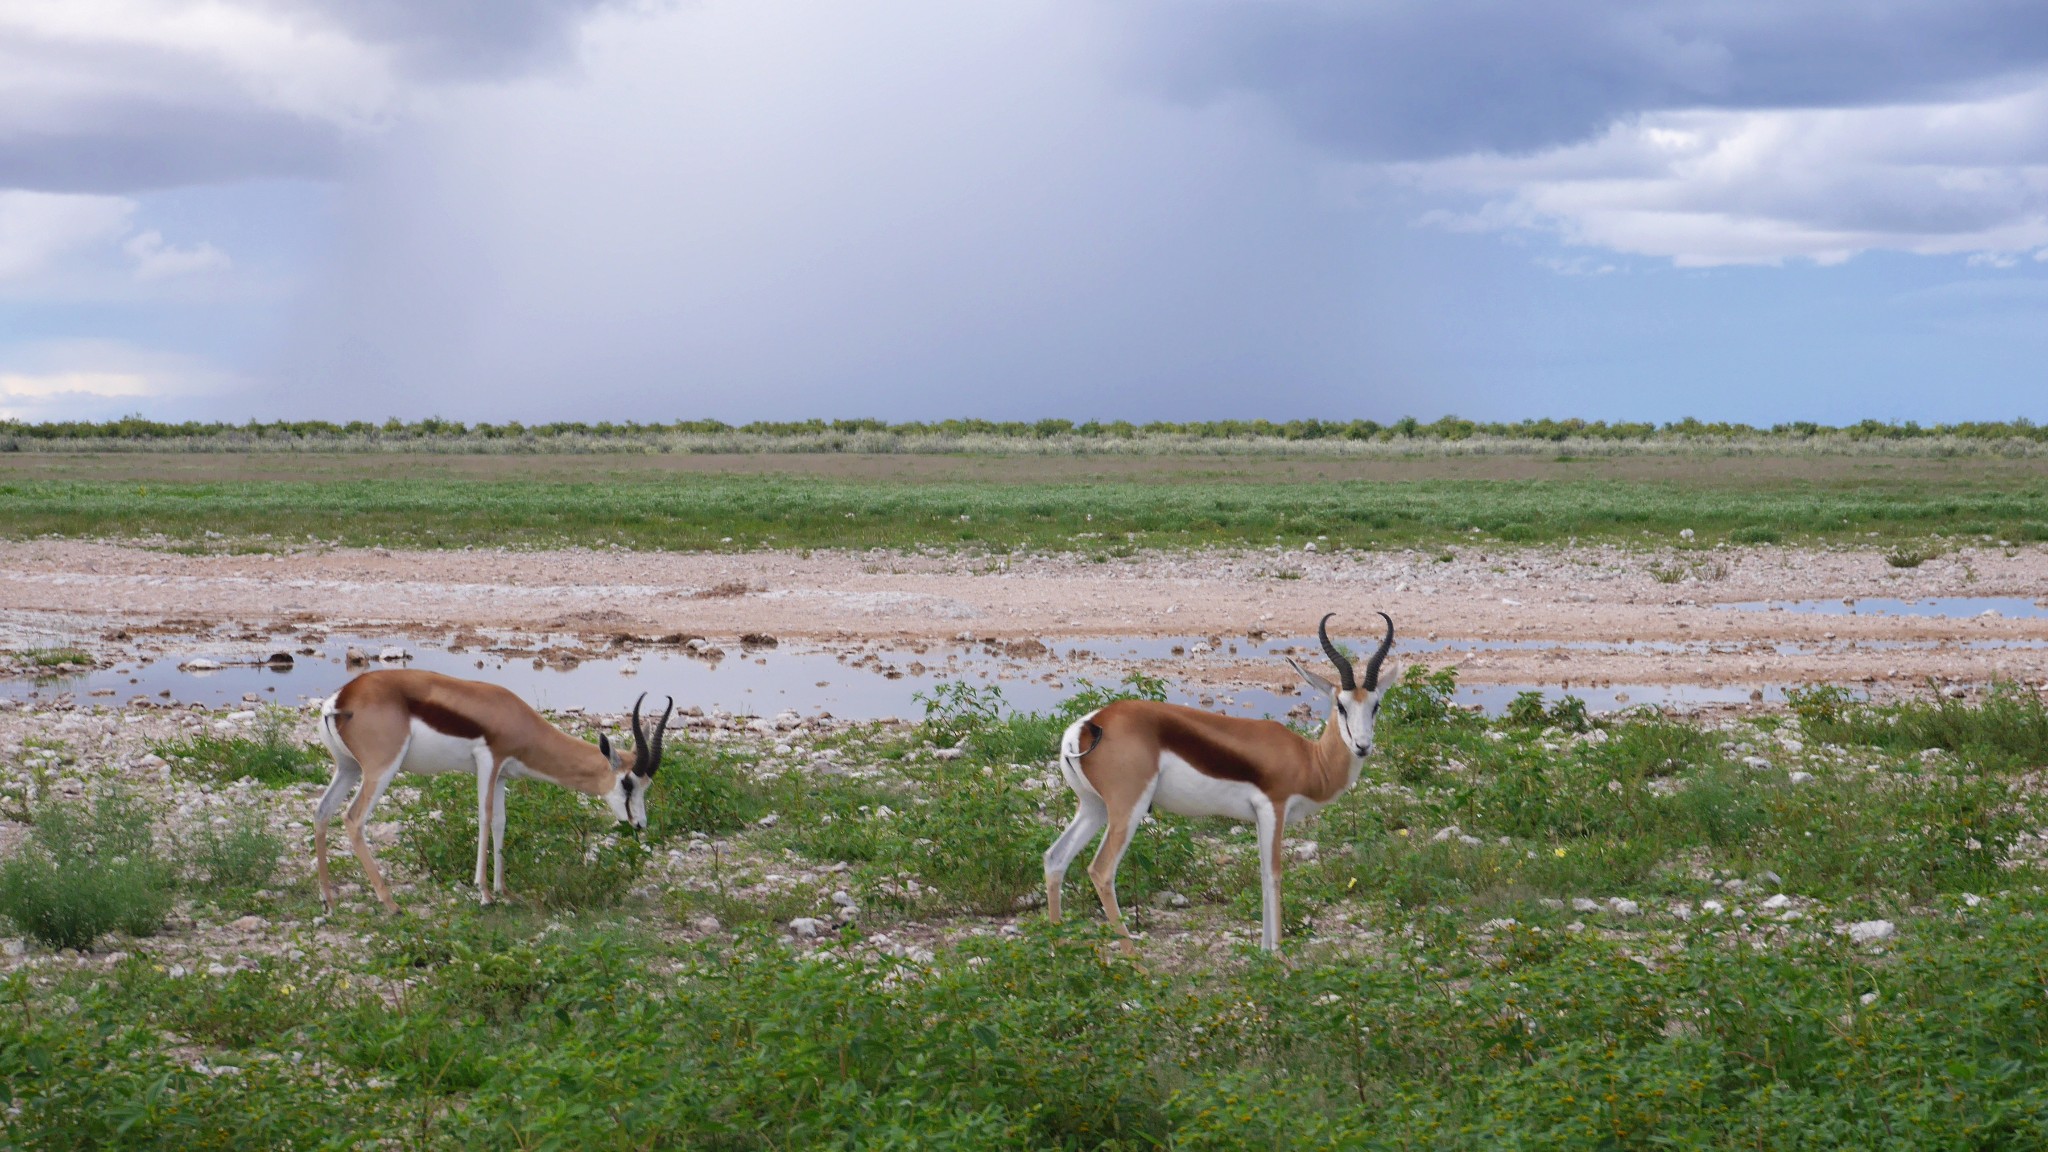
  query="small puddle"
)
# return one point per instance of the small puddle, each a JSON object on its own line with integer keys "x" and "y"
{"x": 865, "y": 683}
{"x": 1958, "y": 607}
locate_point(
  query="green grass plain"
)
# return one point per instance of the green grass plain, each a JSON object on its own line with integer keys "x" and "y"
{"x": 1471, "y": 1015}
{"x": 1004, "y": 503}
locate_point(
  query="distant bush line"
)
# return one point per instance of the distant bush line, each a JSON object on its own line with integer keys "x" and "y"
{"x": 1449, "y": 435}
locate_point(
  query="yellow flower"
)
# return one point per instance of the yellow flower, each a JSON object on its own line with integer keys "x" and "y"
{"x": 1557, "y": 851}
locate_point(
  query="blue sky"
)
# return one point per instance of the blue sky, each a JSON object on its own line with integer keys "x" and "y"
{"x": 772, "y": 209}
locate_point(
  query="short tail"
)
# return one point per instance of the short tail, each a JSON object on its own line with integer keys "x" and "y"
{"x": 1082, "y": 737}
{"x": 1093, "y": 731}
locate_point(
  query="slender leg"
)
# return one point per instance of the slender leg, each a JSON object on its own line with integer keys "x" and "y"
{"x": 1103, "y": 870}
{"x": 347, "y": 774}
{"x": 1269, "y": 877}
{"x": 498, "y": 832}
{"x": 484, "y": 773}
{"x": 1089, "y": 817}
{"x": 358, "y": 815}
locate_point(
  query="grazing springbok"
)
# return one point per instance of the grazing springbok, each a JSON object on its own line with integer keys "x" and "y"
{"x": 381, "y": 723}
{"x": 1134, "y": 755}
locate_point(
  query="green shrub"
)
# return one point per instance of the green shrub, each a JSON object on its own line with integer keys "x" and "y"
{"x": 271, "y": 756}
{"x": 1755, "y": 534}
{"x": 85, "y": 872}
{"x": 2032, "y": 530}
{"x": 242, "y": 855}
{"x": 1527, "y": 710}
{"x": 562, "y": 848}
{"x": 702, "y": 790}
{"x": 1912, "y": 555}
{"x": 2007, "y": 728}
{"x": 976, "y": 837}
{"x": 1422, "y": 699}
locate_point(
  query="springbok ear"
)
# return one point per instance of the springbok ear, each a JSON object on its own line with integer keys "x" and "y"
{"x": 604, "y": 745}
{"x": 1314, "y": 681}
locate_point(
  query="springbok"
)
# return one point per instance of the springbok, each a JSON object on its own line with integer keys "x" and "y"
{"x": 1134, "y": 755}
{"x": 381, "y": 723}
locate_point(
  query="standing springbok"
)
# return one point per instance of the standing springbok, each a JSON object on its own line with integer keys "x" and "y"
{"x": 1134, "y": 755}
{"x": 383, "y": 722}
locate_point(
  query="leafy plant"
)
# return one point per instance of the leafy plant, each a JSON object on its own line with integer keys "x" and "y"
{"x": 700, "y": 789}
{"x": 242, "y": 855}
{"x": 1527, "y": 710}
{"x": 85, "y": 872}
{"x": 1755, "y": 534}
{"x": 271, "y": 755}
{"x": 562, "y": 849}
{"x": 1912, "y": 555}
{"x": 1423, "y": 697}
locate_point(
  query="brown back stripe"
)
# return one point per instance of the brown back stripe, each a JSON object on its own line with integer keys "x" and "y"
{"x": 446, "y": 721}
{"x": 1207, "y": 756}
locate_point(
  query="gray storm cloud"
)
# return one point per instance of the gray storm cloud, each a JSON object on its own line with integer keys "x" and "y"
{"x": 797, "y": 208}
{"x": 546, "y": 209}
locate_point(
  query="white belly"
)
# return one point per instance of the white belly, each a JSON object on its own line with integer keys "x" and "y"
{"x": 431, "y": 753}
{"x": 1186, "y": 792}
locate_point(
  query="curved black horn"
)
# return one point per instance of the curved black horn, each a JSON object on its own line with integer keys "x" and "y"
{"x": 660, "y": 730}
{"x": 1343, "y": 666}
{"x": 1372, "y": 666}
{"x": 639, "y": 737}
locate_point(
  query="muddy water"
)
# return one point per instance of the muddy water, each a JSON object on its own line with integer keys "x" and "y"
{"x": 863, "y": 682}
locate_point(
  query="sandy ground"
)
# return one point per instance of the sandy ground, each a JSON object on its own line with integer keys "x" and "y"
{"x": 1623, "y": 623}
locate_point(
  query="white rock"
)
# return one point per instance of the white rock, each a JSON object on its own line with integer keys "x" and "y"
{"x": 1446, "y": 834}
{"x": 393, "y": 655}
{"x": 202, "y": 664}
{"x": 706, "y": 924}
{"x": 1868, "y": 998}
{"x": 1501, "y": 924}
{"x": 1581, "y": 904}
{"x": 1685, "y": 533}
{"x": 948, "y": 753}
{"x": 1681, "y": 911}
{"x": 1169, "y": 899}
{"x": 806, "y": 928}
{"x": 770, "y": 820}
{"x": 1623, "y": 907}
{"x": 1713, "y": 907}
{"x": 250, "y": 924}
{"x": 1871, "y": 931}
{"x": 843, "y": 898}
{"x": 1303, "y": 849}
{"x": 1972, "y": 899}
{"x": 1799, "y": 777}
{"x": 243, "y": 716}
{"x": 1757, "y": 763}
{"x": 1776, "y": 902}
{"x": 1309, "y": 547}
